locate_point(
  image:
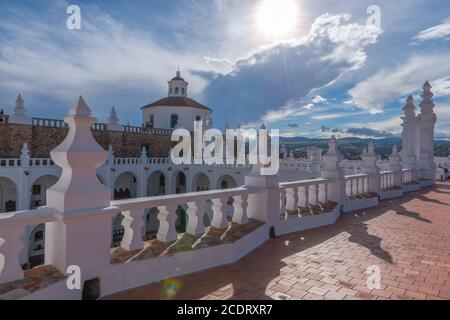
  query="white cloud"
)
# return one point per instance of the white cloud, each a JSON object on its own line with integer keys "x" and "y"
{"x": 291, "y": 70}
{"x": 318, "y": 99}
{"x": 390, "y": 125}
{"x": 439, "y": 31}
{"x": 328, "y": 116}
{"x": 390, "y": 84}
{"x": 106, "y": 61}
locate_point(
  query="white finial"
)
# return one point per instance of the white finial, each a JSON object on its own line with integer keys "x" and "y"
{"x": 409, "y": 109}
{"x": 427, "y": 105}
{"x": 80, "y": 109}
{"x": 79, "y": 156}
{"x": 19, "y": 114}
{"x": 332, "y": 160}
{"x": 113, "y": 121}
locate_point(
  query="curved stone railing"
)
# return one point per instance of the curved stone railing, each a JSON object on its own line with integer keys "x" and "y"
{"x": 133, "y": 211}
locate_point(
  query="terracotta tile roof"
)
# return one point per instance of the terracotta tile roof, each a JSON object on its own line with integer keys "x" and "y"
{"x": 177, "y": 102}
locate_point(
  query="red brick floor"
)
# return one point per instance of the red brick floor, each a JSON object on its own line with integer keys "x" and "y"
{"x": 408, "y": 238}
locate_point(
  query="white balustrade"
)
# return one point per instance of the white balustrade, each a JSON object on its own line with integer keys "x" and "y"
{"x": 387, "y": 180}
{"x": 196, "y": 209}
{"x": 303, "y": 194}
{"x": 356, "y": 185}
{"x": 409, "y": 176}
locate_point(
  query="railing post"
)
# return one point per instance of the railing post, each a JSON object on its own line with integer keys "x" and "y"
{"x": 334, "y": 173}
{"x": 395, "y": 167}
{"x": 370, "y": 167}
{"x": 81, "y": 236}
{"x": 11, "y": 242}
{"x": 264, "y": 205}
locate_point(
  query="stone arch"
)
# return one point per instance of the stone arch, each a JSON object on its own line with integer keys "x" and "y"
{"x": 36, "y": 246}
{"x": 226, "y": 182}
{"x": 201, "y": 182}
{"x": 156, "y": 184}
{"x": 39, "y": 190}
{"x": 8, "y": 195}
{"x": 180, "y": 182}
{"x": 125, "y": 186}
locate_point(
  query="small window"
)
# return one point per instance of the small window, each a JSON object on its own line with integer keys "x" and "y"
{"x": 198, "y": 118}
{"x": 170, "y": 90}
{"x": 182, "y": 91}
{"x": 176, "y": 90}
{"x": 36, "y": 190}
{"x": 173, "y": 121}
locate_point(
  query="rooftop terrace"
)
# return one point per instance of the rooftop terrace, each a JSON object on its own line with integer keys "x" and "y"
{"x": 408, "y": 238}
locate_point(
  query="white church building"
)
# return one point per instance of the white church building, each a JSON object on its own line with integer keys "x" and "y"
{"x": 177, "y": 110}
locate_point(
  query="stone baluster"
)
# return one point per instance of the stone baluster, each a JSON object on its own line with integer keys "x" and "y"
{"x": 240, "y": 205}
{"x": 316, "y": 194}
{"x": 167, "y": 217}
{"x": 220, "y": 206}
{"x": 306, "y": 189}
{"x": 195, "y": 214}
{"x": 283, "y": 201}
{"x": 133, "y": 224}
{"x": 292, "y": 198}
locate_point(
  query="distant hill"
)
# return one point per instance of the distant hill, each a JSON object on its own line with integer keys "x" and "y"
{"x": 352, "y": 147}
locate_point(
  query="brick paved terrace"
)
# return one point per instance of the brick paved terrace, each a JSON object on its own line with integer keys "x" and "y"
{"x": 408, "y": 238}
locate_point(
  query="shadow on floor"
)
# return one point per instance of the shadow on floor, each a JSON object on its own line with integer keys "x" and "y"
{"x": 267, "y": 261}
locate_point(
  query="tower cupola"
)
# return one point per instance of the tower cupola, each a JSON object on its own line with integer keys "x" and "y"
{"x": 178, "y": 86}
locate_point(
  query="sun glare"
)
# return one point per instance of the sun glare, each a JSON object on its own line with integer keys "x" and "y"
{"x": 277, "y": 18}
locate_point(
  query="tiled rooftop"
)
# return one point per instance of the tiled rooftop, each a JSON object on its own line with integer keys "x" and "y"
{"x": 408, "y": 238}
{"x": 35, "y": 279}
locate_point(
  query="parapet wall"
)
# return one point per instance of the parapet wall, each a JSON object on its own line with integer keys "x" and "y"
{"x": 41, "y": 140}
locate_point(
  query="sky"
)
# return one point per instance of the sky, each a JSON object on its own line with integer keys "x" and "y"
{"x": 306, "y": 67}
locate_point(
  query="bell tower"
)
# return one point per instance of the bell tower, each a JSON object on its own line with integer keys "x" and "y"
{"x": 178, "y": 86}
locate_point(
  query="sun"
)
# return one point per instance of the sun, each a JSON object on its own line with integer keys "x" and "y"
{"x": 277, "y": 18}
